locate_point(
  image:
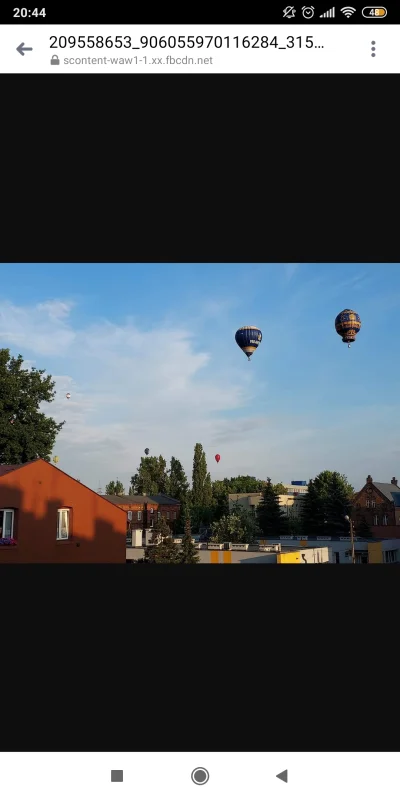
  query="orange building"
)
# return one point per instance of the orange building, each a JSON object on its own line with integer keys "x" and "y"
{"x": 48, "y": 517}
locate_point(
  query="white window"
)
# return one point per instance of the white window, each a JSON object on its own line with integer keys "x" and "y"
{"x": 151, "y": 523}
{"x": 373, "y": 504}
{"x": 368, "y": 502}
{"x": 385, "y": 519}
{"x": 390, "y": 556}
{"x": 174, "y": 515}
{"x": 151, "y": 510}
{"x": 158, "y": 514}
{"x": 375, "y": 519}
{"x": 63, "y": 523}
{"x": 167, "y": 514}
{"x": 139, "y": 515}
{"x": 6, "y": 523}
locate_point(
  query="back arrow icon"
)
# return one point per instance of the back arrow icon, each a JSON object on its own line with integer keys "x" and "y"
{"x": 21, "y": 49}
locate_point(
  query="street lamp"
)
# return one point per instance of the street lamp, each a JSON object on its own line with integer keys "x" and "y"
{"x": 353, "y": 555}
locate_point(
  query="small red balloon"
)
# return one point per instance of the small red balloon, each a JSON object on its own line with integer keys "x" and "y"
{"x": 218, "y": 458}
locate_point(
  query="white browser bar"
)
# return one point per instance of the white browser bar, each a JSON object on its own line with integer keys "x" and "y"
{"x": 203, "y": 49}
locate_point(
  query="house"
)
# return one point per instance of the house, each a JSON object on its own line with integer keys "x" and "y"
{"x": 142, "y": 513}
{"x": 48, "y": 517}
{"x": 291, "y": 502}
{"x": 379, "y": 504}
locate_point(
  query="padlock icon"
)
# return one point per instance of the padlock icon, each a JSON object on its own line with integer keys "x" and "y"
{"x": 55, "y": 60}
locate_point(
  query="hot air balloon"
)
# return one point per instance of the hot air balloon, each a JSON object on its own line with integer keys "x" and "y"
{"x": 68, "y": 395}
{"x": 248, "y": 338}
{"x": 147, "y": 451}
{"x": 56, "y": 459}
{"x": 218, "y": 458}
{"x": 347, "y": 325}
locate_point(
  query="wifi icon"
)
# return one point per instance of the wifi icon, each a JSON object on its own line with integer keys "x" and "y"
{"x": 348, "y": 11}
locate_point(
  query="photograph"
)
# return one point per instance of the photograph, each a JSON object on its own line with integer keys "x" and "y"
{"x": 199, "y": 413}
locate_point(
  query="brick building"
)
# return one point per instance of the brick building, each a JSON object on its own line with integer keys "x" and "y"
{"x": 379, "y": 504}
{"x": 48, "y": 517}
{"x": 143, "y": 511}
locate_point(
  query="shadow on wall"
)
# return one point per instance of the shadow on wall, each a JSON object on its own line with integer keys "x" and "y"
{"x": 91, "y": 539}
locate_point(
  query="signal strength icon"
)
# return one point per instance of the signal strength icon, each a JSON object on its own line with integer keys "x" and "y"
{"x": 330, "y": 13}
{"x": 348, "y": 11}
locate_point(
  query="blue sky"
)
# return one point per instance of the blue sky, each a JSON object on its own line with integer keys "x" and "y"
{"x": 148, "y": 354}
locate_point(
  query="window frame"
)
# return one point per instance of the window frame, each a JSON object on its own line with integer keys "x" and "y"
{"x": 60, "y": 538}
{"x": 12, "y": 512}
{"x": 139, "y": 516}
{"x": 376, "y": 523}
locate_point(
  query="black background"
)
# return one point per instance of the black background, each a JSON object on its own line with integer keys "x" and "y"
{"x": 193, "y": 168}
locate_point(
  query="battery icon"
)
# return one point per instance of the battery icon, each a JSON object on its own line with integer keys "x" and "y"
{"x": 371, "y": 12}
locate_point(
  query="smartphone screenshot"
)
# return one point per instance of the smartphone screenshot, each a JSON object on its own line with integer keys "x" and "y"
{"x": 199, "y": 312}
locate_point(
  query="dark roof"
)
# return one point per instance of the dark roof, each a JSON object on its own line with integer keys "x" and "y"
{"x": 6, "y": 468}
{"x": 131, "y": 499}
{"x": 126, "y": 499}
{"x": 390, "y": 491}
{"x": 164, "y": 500}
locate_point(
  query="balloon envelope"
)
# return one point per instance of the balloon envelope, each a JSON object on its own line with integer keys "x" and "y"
{"x": 147, "y": 451}
{"x": 248, "y": 338}
{"x": 347, "y": 325}
{"x": 218, "y": 458}
{"x": 68, "y": 395}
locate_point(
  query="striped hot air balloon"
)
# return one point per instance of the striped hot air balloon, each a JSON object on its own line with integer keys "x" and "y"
{"x": 347, "y": 325}
{"x": 248, "y": 338}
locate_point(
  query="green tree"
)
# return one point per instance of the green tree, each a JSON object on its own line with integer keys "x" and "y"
{"x": 280, "y": 488}
{"x": 313, "y": 512}
{"x": 201, "y": 496}
{"x": 243, "y": 484}
{"x": 326, "y": 503}
{"x": 362, "y": 528}
{"x": 200, "y": 485}
{"x": 162, "y": 548}
{"x": 251, "y": 528}
{"x": 295, "y": 525}
{"x": 26, "y": 433}
{"x": 270, "y": 516}
{"x": 220, "y": 492}
{"x": 151, "y": 477}
{"x": 188, "y": 553}
{"x": 337, "y": 506}
{"x": 178, "y": 482}
{"x": 115, "y": 487}
{"x": 228, "y": 529}
{"x": 178, "y": 525}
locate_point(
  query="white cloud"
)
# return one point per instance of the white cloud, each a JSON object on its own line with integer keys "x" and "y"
{"x": 55, "y": 309}
{"x": 131, "y": 390}
{"x": 39, "y": 329}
